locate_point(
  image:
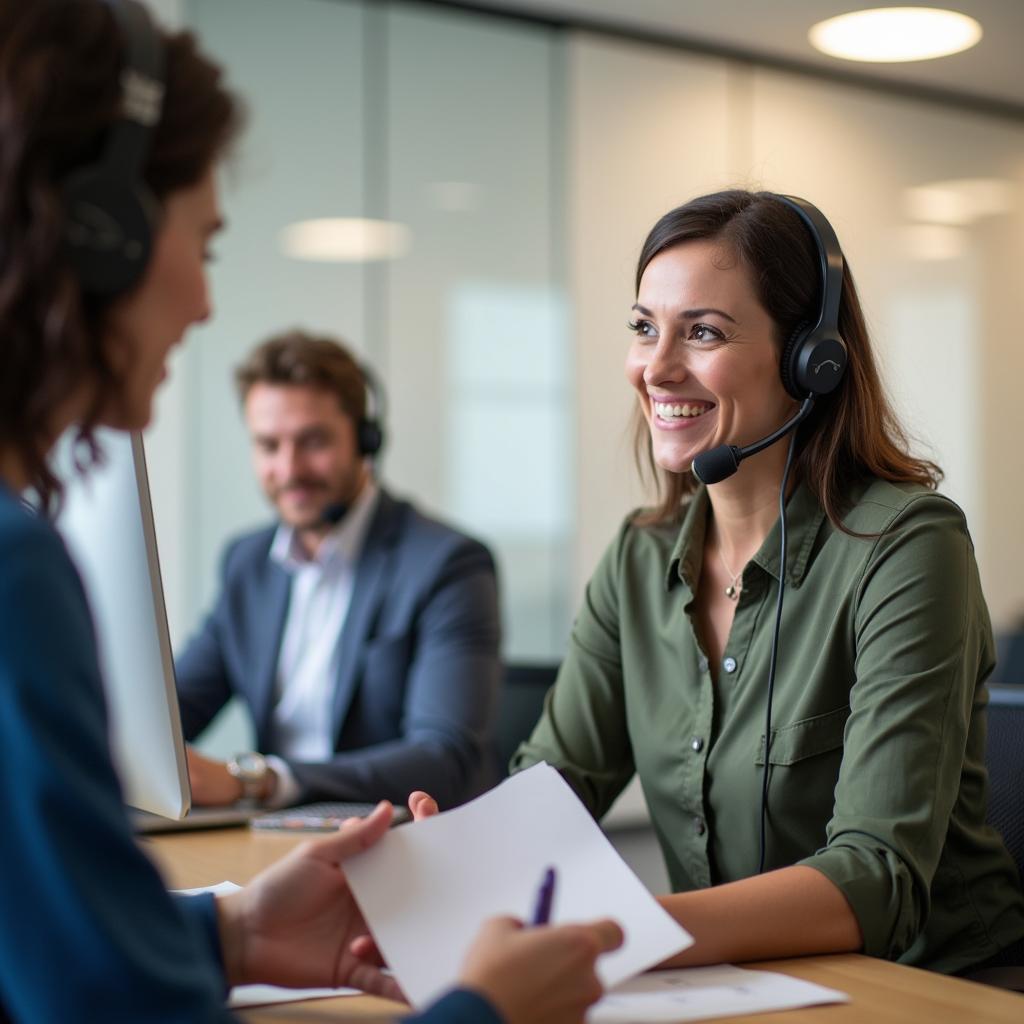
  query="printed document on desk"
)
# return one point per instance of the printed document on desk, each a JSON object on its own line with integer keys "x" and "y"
{"x": 702, "y": 993}
{"x": 426, "y": 888}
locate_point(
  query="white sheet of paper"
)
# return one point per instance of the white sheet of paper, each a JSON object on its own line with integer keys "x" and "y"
{"x": 426, "y": 888}
{"x": 701, "y": 993}
{"x": 220, "y": 889}
{"x": 263, "y": 995}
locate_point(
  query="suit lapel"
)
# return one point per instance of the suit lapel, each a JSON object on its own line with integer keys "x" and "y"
{"x": 369, "y": 589}
{"x": 272, "y": 612}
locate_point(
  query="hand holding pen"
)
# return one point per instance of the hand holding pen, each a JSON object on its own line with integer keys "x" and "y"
{"x": 545, "y": 896}
{"x": 544, "y": 974}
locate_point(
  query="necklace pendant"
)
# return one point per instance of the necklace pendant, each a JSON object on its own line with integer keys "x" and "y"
{"x": 731, "y": 592}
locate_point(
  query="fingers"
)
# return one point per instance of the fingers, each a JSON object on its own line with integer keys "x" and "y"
{"x": 363, "y": 947}
{"x": 608, "y": 934}
{"x": 355, "y": 836}
{"x": 369, "y": 978}
{"x": 422, "y": 805}
{"x": 496, "y": 927}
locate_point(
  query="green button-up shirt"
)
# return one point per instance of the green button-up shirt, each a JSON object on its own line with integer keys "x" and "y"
{"x": 877, "y": 775}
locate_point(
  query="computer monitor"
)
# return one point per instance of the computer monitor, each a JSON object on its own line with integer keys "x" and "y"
{"x": 107, "y": 523}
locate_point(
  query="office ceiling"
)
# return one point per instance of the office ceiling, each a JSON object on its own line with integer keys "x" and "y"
{"x": 993, "y": 71}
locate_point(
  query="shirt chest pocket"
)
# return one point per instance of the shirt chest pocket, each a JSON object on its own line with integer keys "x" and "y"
{"x": 808, "y": 738}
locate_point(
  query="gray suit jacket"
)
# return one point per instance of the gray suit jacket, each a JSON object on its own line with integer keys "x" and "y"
{"x": 418, "y": 669}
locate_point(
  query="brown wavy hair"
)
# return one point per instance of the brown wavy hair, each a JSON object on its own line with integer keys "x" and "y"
{"x": 853, "y": 433}
{"x": 60, "y": 63}
{"x": 298, "y": 358}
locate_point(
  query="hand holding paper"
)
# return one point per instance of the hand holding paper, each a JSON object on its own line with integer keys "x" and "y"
{"x": 426, "y": 888}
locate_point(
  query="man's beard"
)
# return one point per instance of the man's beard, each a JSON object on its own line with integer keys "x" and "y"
{"x": 313, "y": 514}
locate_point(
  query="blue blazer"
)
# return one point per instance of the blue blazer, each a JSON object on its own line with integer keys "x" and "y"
{"x": 418, "y": 670}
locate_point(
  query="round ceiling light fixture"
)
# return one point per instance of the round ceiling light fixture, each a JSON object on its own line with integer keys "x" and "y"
{"x": 895, "y": 34}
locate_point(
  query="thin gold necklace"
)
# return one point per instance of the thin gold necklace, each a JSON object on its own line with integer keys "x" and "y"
{"x": 733, "y": 590}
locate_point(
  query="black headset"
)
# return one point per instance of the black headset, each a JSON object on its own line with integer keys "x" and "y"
{"x": 369, "y": 437}
{"x": 370, "y": 428}
{"x": 814, "y": 359}
{"x": 111, "y": 214}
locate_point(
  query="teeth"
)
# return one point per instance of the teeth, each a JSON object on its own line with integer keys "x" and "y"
{"x": 667, "y": 412}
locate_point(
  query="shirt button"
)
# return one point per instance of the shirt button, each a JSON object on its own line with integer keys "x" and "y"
{"x": 697, "y": 744}
{"x": 703, "y": 664}
{"x": 729, "y": 665}
{"x": 699, "y": 827}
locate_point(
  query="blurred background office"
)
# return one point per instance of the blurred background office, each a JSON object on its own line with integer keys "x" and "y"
{"x": 460, "y": 190}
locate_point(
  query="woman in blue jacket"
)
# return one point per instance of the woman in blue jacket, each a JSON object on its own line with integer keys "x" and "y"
{"x": 110, "y": 130}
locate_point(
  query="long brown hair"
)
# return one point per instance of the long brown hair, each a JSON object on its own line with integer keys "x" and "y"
{"x": 853, "y": 434}
{"x": 60, "y": 94}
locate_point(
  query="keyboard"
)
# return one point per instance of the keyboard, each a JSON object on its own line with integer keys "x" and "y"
{"x": 325, "y": 816}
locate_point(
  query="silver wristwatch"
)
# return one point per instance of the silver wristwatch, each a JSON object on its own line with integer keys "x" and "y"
{"x": 250, "y": 768}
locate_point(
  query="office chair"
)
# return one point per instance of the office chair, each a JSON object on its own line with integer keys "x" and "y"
{"x": 1004, "y": 757}
{"x": 1010, "y": 658}
{"x": 519, "y": 707}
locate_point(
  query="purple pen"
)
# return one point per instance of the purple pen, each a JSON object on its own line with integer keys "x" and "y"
{"x": 545, "y": 894}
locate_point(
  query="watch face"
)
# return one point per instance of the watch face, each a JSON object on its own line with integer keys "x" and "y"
{"x": 251, "y": 765}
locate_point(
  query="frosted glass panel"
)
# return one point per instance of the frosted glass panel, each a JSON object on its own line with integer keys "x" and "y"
{"x": 298, "y": 66}
{"x": 477, "y": 347}
{"x": 509, "y": 337}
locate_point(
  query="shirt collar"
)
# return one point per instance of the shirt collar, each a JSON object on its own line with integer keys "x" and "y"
{"x": 344, "y": 541}
{"x": 804, "y": 516}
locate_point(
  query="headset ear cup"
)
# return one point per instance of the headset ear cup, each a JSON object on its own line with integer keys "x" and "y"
{"x": 370, "y": 437}
{"x": 819, "y": 364}
{"x": 790, "y": 358}
{"x": 108, "y": 231}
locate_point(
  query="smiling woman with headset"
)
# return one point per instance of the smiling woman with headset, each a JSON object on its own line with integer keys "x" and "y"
{"x": 109, "y": 134}
{"x": 820, "y": 595}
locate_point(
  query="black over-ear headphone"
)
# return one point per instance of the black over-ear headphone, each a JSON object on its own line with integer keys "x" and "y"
{"x": 369, "y": 436}
{"x": 814, "y": 358}
{"x": 370, "y": 428}
{"x": 110, "y": 213}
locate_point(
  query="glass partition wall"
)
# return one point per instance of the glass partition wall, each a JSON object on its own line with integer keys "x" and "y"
{"x": 428, "y": 140}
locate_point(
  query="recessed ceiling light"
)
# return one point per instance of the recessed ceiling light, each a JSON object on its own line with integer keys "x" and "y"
{"x": 894, "y": 34}
{"x": 959, "y": 202}
{"x": 345, "y": 240}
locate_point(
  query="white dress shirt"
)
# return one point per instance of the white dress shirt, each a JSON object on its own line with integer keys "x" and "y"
{"x": 307, "y": 665}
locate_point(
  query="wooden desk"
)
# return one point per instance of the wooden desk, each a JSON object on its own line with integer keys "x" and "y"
{"x": 881, "y": 992}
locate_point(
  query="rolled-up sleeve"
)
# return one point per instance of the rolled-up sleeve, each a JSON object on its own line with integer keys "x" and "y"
{"x": 920, "y": 626}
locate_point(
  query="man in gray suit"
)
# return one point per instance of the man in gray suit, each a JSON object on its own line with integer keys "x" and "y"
{"x": 361, "y": 635}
